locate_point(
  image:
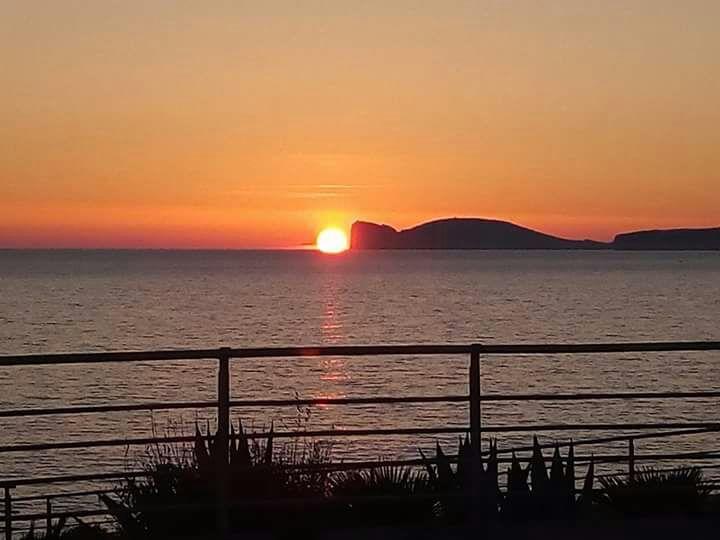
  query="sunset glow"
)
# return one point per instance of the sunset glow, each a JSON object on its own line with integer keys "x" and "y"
{"x": 332, "y": 240}
{"x": 254, "y": 125}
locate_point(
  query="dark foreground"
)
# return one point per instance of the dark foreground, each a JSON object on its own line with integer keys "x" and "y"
{"x": 634, "y": 529}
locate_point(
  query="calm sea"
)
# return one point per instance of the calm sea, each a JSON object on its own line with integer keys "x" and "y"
{"x": 53, "y": 301}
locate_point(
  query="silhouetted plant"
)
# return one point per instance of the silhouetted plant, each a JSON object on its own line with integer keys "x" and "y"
{"x": 471, "y": 489}
{"x": 679, "y": 491}
{"x": 547, "y": 495}
{"x": 553, "y": 493}
{"x": 179, "y": 493}
{"x": 587, "y": 495}
{"x": 60, "y": 530}
{"x": 516, "y": 503}
{"x": 385, "y": 494}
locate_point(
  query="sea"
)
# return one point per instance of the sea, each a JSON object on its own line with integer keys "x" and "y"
{"x": 85, "y": 300}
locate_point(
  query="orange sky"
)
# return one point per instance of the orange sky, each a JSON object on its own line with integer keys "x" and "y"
{"x": 176, "y": 124}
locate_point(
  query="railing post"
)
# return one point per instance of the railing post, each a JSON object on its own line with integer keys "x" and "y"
{"x": 631, "y": 459}
{"x": 222, "y": 442}
{"x": 8, "y": 512}
{"x": 475, "y": 422}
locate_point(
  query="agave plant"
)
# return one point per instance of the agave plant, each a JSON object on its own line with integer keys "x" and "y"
{"x": 533, "y": 492}
{"x": 178, "y": 496}
{"x": 553, "y": 494}
{"x": 209, "y": 456}
{"x": 469, "y": 491}
{"x": 587, "y": 495}
{"x": 517, "y": 502}
{"x": 678, "y": 491}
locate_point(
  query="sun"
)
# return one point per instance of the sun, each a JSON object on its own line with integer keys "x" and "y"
{"x": 332, "y": 240}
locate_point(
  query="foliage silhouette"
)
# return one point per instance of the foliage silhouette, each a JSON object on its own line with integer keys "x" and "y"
{"x": 652, "y": 492}
{"x": 179, "y": 494}
{"x": 60, "y": 530}
{"x": 282, "y": 489}
{"x": 386, "y": 494}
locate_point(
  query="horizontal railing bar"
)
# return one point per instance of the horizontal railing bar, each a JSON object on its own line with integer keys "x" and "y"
{"x": 597, "y": 458}
{"x": 349, "y": 350}
{"x": 34, "y": 447}
{"x": 72, "y": 514}
{"x": 20, "y": 482}
{"x": 590, "y": 396}
{"x": 68, "y": 478}
{"x": 602, "y": 427}
{"x": 383, "y": 400}
{"x": 95, "y": 358}
{"x": 332, "y": 433}
{"x": 658, "y": 469}
{"x": 265, "y": 503}
{"x": 356, "y": 350}
{"x": 590, "y": 348}
{"x": 691, "y": 456}
{"x": 40, "y": 526}
{"x": 257, "y": 352}
{"x": 256, "y": 503}
{"x": 259, "y": 503}
{"x": 63, "y": 495}
{"x": 293, "y": 501}
{"x": 614, "y": 438}
{"x": 271, "y": 502}
{"x": 339, "y": 466}
{"x": 91, "y": 409}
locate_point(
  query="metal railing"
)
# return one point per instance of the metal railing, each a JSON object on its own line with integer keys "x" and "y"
{"x": 223, "y": 405}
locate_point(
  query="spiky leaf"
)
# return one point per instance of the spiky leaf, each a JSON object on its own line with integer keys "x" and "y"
{"x": 538, "y": 470}
{"x": 269, "y": 446}
{"x": 432, "y": 475}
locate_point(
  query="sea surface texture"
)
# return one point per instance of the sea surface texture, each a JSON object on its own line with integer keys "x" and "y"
{"x": 80, "y": 301}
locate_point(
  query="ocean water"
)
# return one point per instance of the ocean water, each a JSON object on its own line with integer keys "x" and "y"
{"x": 60, "y": 301}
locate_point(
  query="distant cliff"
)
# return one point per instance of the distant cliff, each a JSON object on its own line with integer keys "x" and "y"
{"x": 472, "y": 233}
{"x": 460, "y": 234}
{"x": 673, "y": 239}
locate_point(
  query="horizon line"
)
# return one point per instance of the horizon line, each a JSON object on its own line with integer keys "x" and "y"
{"x": 310, "y": 246}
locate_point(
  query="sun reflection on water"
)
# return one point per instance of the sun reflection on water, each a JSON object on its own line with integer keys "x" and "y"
{"x": 334, "y": 372}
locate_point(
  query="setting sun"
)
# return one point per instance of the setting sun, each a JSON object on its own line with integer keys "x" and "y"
{"x": 332, "y": 240}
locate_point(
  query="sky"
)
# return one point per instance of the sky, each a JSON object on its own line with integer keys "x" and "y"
{"x": 233, "y": 124}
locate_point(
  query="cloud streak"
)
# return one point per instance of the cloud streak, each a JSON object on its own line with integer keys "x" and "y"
{"x": 305, "y": 191}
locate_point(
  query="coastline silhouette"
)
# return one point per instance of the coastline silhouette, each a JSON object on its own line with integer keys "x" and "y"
{"x": 477, "y": 233}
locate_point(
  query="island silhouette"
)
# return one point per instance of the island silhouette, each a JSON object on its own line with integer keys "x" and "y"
{"x": 478, "y": 233}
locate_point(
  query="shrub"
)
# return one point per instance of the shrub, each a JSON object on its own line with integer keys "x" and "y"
{"x": 386, "y": 494}
{"x": 59, "y": 530}
{"x": 471, "y": 490}
{"x": 651, "y": 491}
{"x": 178, "y": 495}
